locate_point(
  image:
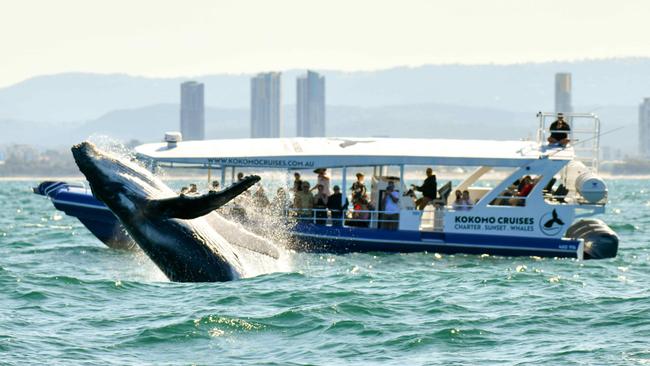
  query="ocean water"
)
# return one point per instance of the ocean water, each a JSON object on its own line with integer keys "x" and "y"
{"x": 67, "y": 299}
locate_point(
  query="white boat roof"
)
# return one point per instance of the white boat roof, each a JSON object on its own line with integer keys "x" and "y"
{"x": 305, "y": 153}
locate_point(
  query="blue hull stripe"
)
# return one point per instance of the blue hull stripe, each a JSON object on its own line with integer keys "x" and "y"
{"x": 78, "y": 202}
{"x": 434, "y": 242}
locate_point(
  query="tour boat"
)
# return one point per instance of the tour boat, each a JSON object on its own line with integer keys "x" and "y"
{"x": 551, "y": 219}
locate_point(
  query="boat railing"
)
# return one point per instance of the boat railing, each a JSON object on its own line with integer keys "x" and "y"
{"x": 324, "y": 216}
{"x": 584, "y": 135}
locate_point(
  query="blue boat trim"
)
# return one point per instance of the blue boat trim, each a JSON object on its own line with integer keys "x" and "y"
{"x": 342, "y": 239}
{"x": 80, "y": 203}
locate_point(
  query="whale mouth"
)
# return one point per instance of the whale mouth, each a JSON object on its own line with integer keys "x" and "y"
{"x": 84, "y": 153}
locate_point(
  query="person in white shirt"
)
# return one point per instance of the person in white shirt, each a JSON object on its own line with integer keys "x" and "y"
{"x": 323, "y": 180}
{"x": 391, "y": 208}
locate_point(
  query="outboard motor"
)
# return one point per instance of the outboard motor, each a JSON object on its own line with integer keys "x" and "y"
{"x": 600, "y": 240}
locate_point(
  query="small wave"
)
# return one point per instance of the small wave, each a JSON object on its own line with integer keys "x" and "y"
{"x": 345, "y": 326}
{"x": 233, "y": 324}
{"x": 464, "y": 334}
{"x": 628, "y": 228}
{"x": 209, "y": 326}
{"x": 33, "y": 296}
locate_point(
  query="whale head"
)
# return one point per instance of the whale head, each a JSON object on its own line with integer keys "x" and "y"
{"x": 116, "y": 181}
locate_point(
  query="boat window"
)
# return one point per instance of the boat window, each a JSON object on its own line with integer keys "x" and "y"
{"x": 517, "y": 192}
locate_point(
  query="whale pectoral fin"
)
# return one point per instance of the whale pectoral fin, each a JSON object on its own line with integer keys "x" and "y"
{"x": 191, "y": 207}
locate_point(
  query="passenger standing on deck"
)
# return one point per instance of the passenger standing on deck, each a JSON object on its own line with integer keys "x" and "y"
{"x": 361, "y": 214}
{"x": 557, "y": 129}
{"x": 304, "y": 202}
{"x": 429, "y": 190}
{"x": 320, "y": 205}
{"x": 297, "y": 182}
{"x": 358, "y": 189}
{"x": 323, "y": 180}
{"x": 336, "y": 206}
{"x": 240, "y": 176}
{"x": 391, "y": 208}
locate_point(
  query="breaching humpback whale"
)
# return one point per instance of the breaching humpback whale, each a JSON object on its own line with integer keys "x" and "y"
{"x": 168, "y": 227}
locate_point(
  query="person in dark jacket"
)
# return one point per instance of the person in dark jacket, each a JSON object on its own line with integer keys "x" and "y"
{"x": 559, "y": 130}
{"x": 336, "y": 206}
{"x": 429, "y": 190}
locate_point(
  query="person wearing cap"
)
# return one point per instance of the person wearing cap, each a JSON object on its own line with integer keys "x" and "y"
{"x": 391, "y": 208}
{"x": 358, "y": 188}
{"x": 429, "y": 190}
{"x": 323, "y": 180}
{"x": 336, "y": 206}
{"x": 558, "y": 130}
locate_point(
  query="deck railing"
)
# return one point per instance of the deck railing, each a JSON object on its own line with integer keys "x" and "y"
{"x": 348, "y": 217}
{"x": 584, "y": 135}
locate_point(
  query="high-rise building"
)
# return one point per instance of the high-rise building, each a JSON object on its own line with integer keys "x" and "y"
{"x": 310, "y": 106}
{"x": 563, "y": 93}
{"x": 266, "y": 110}
{"x": 192, "y": 111}
{"x": 644, "y": 128}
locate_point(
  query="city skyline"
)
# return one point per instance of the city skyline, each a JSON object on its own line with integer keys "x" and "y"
{"x": 359, "y": 104}
{"x": 192, "y": 116}
{"x": 563, "y": 89}
{"x": 644, "y": 128}
{"x": 266, "y": 105}
{"x": 310, "y": 105}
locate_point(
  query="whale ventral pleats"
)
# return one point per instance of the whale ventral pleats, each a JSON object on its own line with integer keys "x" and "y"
{"x": 191, "y": 207}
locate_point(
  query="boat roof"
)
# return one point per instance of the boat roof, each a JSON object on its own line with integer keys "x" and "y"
{"x": 305, "y": 153}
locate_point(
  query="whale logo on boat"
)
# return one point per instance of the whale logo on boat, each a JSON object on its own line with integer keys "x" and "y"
{"x": 169, "y": 228}
{"x": 550, "y": 223}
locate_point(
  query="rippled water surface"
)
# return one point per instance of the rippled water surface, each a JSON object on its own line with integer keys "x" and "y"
{"x": 65, "y": 298}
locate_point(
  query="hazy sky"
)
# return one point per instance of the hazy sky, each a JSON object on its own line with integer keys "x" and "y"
{"x": 192, "y": 37}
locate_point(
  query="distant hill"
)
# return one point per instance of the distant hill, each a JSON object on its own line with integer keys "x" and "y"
{"x": 419, "y": 120}
{"x": 517, "y": 88}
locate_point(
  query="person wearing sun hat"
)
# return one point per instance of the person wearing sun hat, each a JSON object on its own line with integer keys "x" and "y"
{"x": 323, "y": 180}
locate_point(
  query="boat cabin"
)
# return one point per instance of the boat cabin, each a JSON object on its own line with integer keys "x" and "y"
{"x": 530, "y": 182}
